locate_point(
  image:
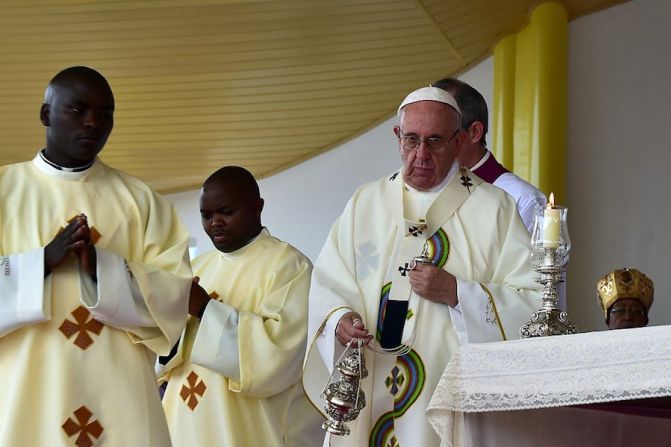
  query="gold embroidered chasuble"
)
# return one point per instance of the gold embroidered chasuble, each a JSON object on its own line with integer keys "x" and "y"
{"x": 473, "y": 231}
{"x": 235, "y": 380}
{"x": 76, "y": 362}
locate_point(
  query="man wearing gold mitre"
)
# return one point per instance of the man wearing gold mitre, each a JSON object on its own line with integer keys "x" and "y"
{"x": 626, "y": 297}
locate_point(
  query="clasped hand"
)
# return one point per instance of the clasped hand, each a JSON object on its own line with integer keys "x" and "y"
{"x": 434, "y": 284}
{"x": 75, "y": 238}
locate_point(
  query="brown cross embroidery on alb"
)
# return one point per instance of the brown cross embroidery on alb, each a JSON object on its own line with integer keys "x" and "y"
{"x": 192, "y": 389}
{"x": 82, "y": 426}
{"x": 82, "y": 326}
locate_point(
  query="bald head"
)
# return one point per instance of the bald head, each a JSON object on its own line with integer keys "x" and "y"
{"x": 73, "y": 76}
{"x": 235, "y": 177}
{"x": 230, "y": 208}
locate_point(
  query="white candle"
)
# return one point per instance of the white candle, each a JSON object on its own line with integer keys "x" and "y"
{"x": 551, "y": 224}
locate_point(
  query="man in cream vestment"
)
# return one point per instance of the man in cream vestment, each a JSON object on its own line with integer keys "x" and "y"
{"x": 94, "y": 283}
{"x": 478, "y": 286}
{"x": 235, "y": 378}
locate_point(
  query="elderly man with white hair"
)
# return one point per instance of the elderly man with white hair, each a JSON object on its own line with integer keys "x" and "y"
{"x": 474, "y": 282}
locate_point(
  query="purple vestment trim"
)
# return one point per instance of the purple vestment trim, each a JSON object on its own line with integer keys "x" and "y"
{"x": 490, "y": 170}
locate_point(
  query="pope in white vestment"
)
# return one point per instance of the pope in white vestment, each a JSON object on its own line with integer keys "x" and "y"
{"x": 467, "y": 228}
{"x": 76, "y": 357}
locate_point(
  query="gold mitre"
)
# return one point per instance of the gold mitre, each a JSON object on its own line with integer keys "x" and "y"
{"x": 624, "y": 283}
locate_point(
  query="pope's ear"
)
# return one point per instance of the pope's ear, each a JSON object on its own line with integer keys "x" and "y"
{"x": 44, "y": 114}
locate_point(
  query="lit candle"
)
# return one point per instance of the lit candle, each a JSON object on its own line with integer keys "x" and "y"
{"x": 551, "y": 224}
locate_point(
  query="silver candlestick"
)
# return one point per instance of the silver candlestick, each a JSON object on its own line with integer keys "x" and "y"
{"x": 550, "y": 245}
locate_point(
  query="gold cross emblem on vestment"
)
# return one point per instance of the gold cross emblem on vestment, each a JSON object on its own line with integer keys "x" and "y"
{"x": 192, "y": 389}
{"x": 82, "y": 325}
{"x": 82, "y": 426}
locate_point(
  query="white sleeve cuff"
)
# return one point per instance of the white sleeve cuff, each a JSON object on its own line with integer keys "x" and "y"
{"x": 216, "y": 345}
{"x": 160, "y": 370}
{"x": 479, "y": 318}
{"x": 25, "y": 295}
{"x": 457, "y": 317}
{"x": 116, "y": 299}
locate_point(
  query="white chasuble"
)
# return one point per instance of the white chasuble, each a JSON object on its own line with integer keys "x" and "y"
{"x": 77, "y": 357}
{"x": 471, "y": 230}
{"x": 235, "y": 380}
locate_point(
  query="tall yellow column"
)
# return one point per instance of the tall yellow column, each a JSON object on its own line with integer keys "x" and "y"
{"x": 504, "y": 100}
{"x": 538, "y": 91}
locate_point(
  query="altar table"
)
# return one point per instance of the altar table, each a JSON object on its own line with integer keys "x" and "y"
{"x": 608, "y": 388}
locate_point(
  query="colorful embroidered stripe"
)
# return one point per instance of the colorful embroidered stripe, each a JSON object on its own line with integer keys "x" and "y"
{"x": 439, "y": 247}
{"x": 384, "y": 297}
{"x": 415, "y": 377}
{"x": 383, "y": 431}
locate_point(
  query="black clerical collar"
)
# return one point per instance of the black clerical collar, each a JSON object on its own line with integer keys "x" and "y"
{"x": 63, "y": 168}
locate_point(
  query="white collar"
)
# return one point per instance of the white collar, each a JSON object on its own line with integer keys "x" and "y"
{"x": 43, "y": 156}
{"x": 482, "y": 161}
{"x": 263, "y": 234}
{"x": 51, "y": 169}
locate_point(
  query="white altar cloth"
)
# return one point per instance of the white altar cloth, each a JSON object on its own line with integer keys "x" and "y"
{"x": 549, "y": 372}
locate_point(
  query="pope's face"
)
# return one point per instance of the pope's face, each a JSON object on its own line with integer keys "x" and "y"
{"x": 627, "y": 313}
{"x": 425, "y": 167}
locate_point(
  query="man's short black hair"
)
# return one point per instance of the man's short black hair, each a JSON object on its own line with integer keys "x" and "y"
{"x": 239, "y": 176}
{"x": 472, "y": 104}
{"x": 74, "y": 74}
